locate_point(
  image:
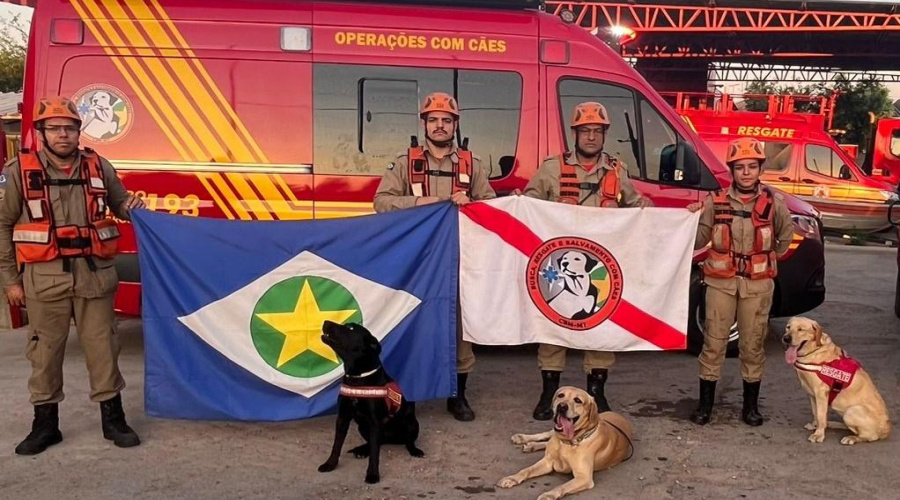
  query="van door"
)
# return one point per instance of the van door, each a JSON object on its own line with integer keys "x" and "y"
{"x": 824, "y": 176}
{"x": 639, "y": 135}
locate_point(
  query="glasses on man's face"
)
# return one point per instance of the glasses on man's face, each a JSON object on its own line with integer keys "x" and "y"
{"x": 59, "y": 129}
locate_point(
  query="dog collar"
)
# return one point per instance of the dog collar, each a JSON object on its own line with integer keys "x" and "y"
{"x": 363, "y": 375}
{"x": 585, "y": 436}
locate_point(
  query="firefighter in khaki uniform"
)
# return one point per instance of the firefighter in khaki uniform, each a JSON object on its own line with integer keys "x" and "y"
{"x": 56, "y": 247}
{"x": 588, "y": 176}
{"x": 749, "y": 227}
{"x": 437, "y": 172}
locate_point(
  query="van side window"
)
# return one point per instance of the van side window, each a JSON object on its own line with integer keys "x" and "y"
{"x": 364, "y": 115}
{"x": 778, "y": 156}
{"x": 622, "y": 137}
{"x": 659, "y": 143}
{"x": 895, "y": 142}
{"x": 824, "y": 161}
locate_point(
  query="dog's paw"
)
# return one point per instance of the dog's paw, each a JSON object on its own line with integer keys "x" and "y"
{"x": 850, "y": 440}
{"x": 817, "y": 437}
{"x": 810, "y": 426}
{"x": 530, "y": 447}
{"x": 373, "y": 478}
{"x": 507, "y": 482}
{"x": 416, "y": 452}
{"x": 327, "y": 467}
{"x": 548, "y": 496}
{"x": 518, "y": 439}
{"x": 361, "y": 451}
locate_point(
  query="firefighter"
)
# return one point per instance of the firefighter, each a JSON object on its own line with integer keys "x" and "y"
{"x": 439, "y": 171}
{"x": 591, "y": 177}
{"x": 57, "y": 242}
{"x": 749, "y": 227}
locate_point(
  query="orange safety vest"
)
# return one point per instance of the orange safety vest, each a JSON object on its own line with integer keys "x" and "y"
{"x": 41, "y": 240}
{"x": 570, "y": 188}
{"x": 419, "y": 173}
{"x": 723, "y": 261}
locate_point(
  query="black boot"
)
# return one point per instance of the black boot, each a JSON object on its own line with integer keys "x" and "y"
{"x": 44, "y": 430}
{"x": 544, "y": 408}
{"x": 458, "y": 405}
{"x": 750, "y": 413}
{"x": 704, "y": 408}
{"x": 114, "y": 426}
{"x": 595, "y": 382}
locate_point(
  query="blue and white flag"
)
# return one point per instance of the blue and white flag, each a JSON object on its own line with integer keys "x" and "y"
{"x": 233, "y": 311}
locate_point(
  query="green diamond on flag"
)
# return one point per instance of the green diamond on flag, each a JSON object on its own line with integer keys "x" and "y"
{"x": 272, "y": 327}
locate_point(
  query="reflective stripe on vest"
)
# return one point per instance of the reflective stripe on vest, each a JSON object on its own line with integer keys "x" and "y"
{"x": 31, "y": 236}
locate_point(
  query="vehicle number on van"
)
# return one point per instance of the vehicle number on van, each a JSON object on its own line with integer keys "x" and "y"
{"x": 174, "y": 204}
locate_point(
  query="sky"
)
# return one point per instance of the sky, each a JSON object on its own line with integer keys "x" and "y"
{"x": 7, "y": 10}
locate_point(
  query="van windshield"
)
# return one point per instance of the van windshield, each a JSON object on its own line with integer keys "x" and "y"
{"x": 825, "y": 161}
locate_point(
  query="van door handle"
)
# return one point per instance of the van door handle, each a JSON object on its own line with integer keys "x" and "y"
{"x": 808, "y": 181}
{"x": 784, "y": 179}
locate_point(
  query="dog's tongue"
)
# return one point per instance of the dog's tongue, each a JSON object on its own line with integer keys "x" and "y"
{"x": 567, "y": 428}
{"x": 790, "y": 356}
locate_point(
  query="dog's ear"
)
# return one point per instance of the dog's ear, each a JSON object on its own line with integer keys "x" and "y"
{"x": 559, "y": 262}
{"x": 590, "y": 263}
{"x": 817, "y": 332}
{"x": 593, "y": 415}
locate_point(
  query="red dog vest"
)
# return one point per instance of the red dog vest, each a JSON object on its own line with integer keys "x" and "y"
{"x": 838, "y": 374}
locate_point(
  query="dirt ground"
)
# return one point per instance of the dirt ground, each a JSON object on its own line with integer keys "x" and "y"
{"x": 674, "y": 459}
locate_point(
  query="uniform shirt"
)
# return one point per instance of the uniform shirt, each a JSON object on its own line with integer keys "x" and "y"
{"x": 395, "y": 192}
{"x": 743, "y": 236}
{"x": 545, "y": 184}
{"x": 46, "y": 280}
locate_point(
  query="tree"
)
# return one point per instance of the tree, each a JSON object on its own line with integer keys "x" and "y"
{"x": 13, "y": 35}
{"x": 852, "y": 106}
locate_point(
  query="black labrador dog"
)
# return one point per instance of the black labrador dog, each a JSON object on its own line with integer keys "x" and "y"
{"x": 370, "y": 397}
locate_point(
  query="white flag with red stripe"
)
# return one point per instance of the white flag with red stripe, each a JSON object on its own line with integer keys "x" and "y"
{"x": 582, "y": 277}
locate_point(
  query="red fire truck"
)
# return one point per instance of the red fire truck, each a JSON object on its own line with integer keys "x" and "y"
{"x": 883, "y": 161}
{"x": 802, "y": 158}
{"x": 289, "y": 110}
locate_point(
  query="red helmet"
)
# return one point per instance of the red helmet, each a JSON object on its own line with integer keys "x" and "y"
{"x": 439, "y": 101}
{"x": 55, "y": 107}
{"x": 589, "y": 113}
{"x": 745, "y": 148}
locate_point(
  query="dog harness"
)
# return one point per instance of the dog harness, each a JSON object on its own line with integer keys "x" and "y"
{"x": 837, "y": 374}
{"x": 389, "y": 392}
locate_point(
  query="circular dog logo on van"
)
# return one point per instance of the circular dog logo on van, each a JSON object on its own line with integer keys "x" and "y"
{"x": 575, "y": 282}
{"x": 106, "y": 113}
{"x": 286, "y": 326}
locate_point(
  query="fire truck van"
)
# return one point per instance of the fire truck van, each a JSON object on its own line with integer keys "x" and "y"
{"x": 883, "y": 160}
{"x": 802, "y": 159}
{"x": 292, "y": 110}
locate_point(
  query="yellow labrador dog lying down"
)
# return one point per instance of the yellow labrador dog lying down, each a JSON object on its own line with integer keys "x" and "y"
{"x": 833, "y": 379}
{"x": 582, "y": 441}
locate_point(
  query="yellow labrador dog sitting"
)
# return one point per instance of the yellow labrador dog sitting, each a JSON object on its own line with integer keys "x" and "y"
{"x": 581, "y": 442}
{"x": 833, "y": 379}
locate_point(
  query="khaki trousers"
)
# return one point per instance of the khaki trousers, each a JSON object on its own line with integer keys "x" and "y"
{"x": 553, "y": 358}
{"x": 46, "y": 349}
{"x": 751, "y": 308}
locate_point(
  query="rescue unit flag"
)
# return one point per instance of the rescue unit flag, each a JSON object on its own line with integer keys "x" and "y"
{"x": 233, "y": 311}
{"x": 582, "y": 277}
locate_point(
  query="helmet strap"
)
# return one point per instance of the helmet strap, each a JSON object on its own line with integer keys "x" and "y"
{"x": 587, "y": 156}
{"x": 752, "y": 190}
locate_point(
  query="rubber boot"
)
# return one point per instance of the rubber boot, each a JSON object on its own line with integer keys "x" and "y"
{"x": 458, "y": 405}
{"x": 750, "y": 413}
{"x": 703, "y": 412}
{"x": 544, "y": 408}
{"x": 596, "y": 380}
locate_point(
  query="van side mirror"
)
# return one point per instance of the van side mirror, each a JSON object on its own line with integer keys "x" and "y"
{"x": 679, "y": 163}
{"x": 507, "y": 163}
{"x": 894, "y": 213}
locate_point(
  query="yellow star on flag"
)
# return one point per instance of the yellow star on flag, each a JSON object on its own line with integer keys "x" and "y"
{"x": 302, "y": 328}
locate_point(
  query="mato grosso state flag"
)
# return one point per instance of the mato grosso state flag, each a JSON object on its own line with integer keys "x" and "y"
{"x": 582, "y": 277}
{"x": 233, "y": 311}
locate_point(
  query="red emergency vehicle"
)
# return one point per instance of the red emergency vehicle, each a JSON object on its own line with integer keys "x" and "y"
{"x": 289, "y": 110}
{"x": 883, "y": 160}
{"x": 802, "y": 158}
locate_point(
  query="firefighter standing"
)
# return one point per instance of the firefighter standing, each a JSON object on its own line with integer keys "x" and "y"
{"x": 439, "y": 171}
{"x": 588, "y": 176}
{"x": 54, "y": 224}
{"x": 749, "y": 227}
